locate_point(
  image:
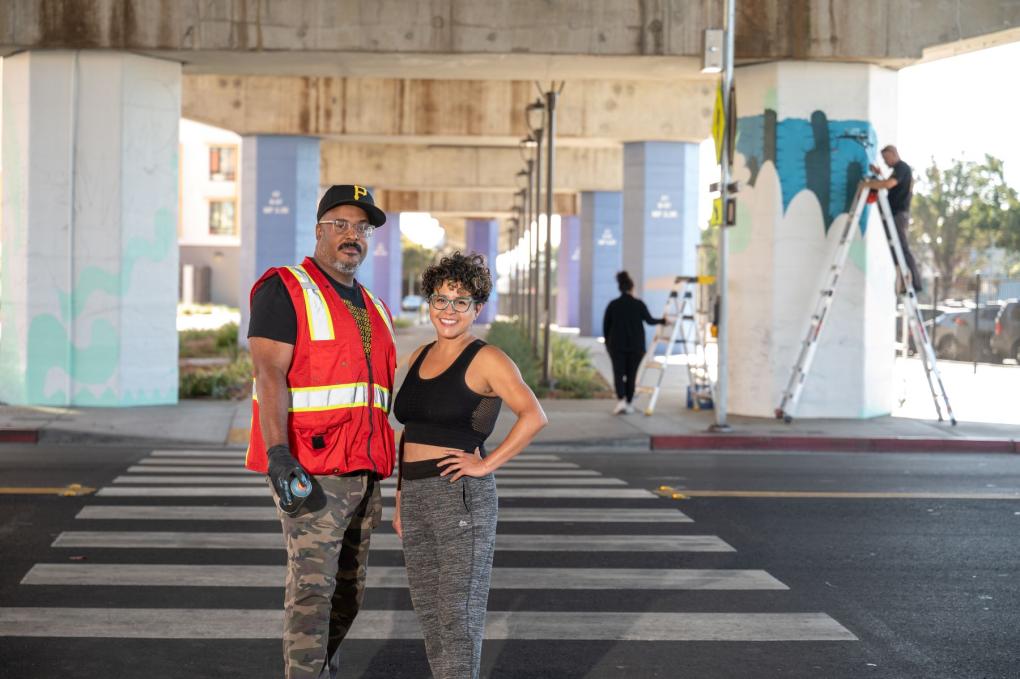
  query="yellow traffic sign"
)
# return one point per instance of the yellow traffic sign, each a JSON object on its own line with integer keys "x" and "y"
{"x": 718, "y": 123}
{"x": 717, "y": 213}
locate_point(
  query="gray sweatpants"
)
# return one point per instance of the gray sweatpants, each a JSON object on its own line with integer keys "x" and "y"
{"x": 449, "y": 535}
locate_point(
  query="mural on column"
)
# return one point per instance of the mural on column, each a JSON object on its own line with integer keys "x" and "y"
{"x": 826, "y": 157}
{"x": 798, "y": 176}
{"x": 99, "y": 275}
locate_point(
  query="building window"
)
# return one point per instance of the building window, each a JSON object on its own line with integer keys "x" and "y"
{"x": 222, "y": 163}
{"x": 222, "y": 218}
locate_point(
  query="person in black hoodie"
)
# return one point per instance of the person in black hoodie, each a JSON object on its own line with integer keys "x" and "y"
{"x": 624, "y": 331}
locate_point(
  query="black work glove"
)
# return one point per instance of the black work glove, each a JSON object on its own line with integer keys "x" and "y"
{"x": 283, "y": 469}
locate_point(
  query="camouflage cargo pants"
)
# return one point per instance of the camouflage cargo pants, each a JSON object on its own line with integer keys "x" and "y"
{"x": 327, "y": 560}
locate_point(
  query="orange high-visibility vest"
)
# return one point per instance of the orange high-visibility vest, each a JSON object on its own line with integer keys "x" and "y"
{"x": 338, "y": 416}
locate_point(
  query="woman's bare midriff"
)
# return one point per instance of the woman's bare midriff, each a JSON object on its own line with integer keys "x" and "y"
{"x": 416, "y": 452}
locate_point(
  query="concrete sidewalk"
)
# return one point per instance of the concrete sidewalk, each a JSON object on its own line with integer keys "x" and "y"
{"x": 573, "y": 424}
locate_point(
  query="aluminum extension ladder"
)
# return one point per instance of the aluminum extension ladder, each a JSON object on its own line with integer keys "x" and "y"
{"x": 680, "y": 330}
{"x": 915, "y": 320}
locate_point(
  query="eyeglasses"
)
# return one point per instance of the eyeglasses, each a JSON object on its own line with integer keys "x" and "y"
{"x": 460, "y": 304}
{"x": 340, "y": 225}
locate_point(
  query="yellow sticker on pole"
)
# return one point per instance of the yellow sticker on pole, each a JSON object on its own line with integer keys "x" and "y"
{"x": 717, "y": 213}
{"x": 718, "y": 123}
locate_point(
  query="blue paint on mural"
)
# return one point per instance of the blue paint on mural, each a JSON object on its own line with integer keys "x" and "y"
{"x": 827, "y": 157}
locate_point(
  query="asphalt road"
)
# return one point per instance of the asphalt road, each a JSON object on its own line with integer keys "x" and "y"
{"x": 809, "y": 565}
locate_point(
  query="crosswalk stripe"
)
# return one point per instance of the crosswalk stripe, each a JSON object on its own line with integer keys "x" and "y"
{"x": 514, "y": 542}
{"x": 179, "y": 575}
{"x": 387, "y": 492}
{"x": 239, "y": 463}
{"x": 239, "y": 454}
{"x": 506, "y": 514}
{"x": 259, "y": 479}
{"x": 173, "y": 623}
{"x": 206, "y": 469}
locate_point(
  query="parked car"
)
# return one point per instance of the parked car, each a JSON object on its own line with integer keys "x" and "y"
{"x": 1005, "y": 340}
{"x": 412, "y": 302}
{"x": 954, "y": 333}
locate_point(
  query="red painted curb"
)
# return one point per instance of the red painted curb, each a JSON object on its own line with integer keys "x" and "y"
{"x": 19, "y": 436}
{"x": 834, "y": 444}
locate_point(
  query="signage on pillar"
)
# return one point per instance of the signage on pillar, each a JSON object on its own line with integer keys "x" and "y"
{"x": 664, "y": 208}
{"x": 380, "y": 250}
{"x": 607, "y": 239}
{"x": 275, "y": 205}
{"x": 575, "y": 256}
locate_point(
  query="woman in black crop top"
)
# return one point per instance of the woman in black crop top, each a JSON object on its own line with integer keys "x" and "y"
{"x": 446, "y": 494}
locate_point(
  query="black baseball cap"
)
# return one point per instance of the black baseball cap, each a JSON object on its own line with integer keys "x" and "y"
{"x": 351, "y": 194}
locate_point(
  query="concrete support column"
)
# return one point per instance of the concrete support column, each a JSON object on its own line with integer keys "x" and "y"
{"x": 89, "y": 289}
{"x": 601, "y": 256}
{"x": 387, "y": 264}
{"x": 806, "y": 135}
{"x": 482, "y": 237}
{"x": 568, "y": 273}
{"x": 279, "y": 195}
{"x": 660, "y": 214}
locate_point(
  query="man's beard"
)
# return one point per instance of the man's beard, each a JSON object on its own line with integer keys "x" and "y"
{"x": 346, "y": 268}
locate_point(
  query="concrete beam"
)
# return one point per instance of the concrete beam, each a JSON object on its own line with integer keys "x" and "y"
{"x": 464, "y": 204}
{"x": 468, "y": 39}
{"x": 449, "y": 168}
{"x": 464, "y": 112}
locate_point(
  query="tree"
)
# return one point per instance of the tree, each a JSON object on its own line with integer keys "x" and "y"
{"x": 960, "y": 212}
{"x": 415, "y": 259}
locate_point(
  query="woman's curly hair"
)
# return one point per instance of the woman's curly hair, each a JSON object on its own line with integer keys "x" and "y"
{"x": 462, "y": 271}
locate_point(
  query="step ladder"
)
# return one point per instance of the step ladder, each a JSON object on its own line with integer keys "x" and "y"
{"x": 912, "y": 311}
{"x": 681, "y": 334}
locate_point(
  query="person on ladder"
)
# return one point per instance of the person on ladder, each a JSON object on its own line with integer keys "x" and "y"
{"x": 624, "y": 331}
{"x": 900, "y": 185}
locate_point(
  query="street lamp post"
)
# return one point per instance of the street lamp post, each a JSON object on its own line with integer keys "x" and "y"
{"x": 530, "y": 111}
{"x": 550, "y": 126}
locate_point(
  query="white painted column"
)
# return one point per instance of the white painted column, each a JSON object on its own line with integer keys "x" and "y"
{"x": 89, "y": 296}
{"x": 798, "y": 159}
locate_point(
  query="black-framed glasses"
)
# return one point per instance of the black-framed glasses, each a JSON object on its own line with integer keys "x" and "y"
{"x": 340, "y": 225}
{"x": 460, "y": 304}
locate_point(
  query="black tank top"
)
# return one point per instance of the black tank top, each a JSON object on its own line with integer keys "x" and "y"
{"x": 443, "y": 410}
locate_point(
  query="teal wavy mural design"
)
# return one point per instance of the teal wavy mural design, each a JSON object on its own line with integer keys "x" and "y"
{"x": 826, "y": 157}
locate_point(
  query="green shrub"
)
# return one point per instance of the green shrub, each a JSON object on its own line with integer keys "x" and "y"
{"x": 513, "y": 340}
{"x": 402, "y": 322}
{"x": 209, "y": 343}
{"x": 232, "y": 381}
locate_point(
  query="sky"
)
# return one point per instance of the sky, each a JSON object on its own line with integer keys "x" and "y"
{"x": 962, "y": 107}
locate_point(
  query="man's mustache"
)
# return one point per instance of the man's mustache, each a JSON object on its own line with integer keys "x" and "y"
{"x": 351, "y": 244}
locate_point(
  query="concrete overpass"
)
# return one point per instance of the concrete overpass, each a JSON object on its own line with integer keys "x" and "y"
{"x": 424, "y": 102}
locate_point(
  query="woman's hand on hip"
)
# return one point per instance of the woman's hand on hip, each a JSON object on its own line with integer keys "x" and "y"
{"x": 459, "y": 463}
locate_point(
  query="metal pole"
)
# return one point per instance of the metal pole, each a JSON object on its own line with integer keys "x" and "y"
{"x": 535, "y": 280}
{"x": 529, "y": 203}
{"x": 722, "y": 379}
{"x": 550, "y": 116}
{"x": 934, "y": 313}
{"x": 977, "y": 319}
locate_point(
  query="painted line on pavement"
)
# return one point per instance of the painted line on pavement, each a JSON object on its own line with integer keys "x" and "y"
{"x": 388, "y": 491}
{"x": 259, "y": 479}
{"x": 71, "y": 490}
{"x": 514, "y": 542}
{"x": 240, "y": 454}
{"x": 208, "y": 575}
{"x": 682, "y": 494}
{"x": 513, "y": 514}
{"x": 206, "y": 469}
{"x": 218, "y": 464}
{"x": 170, "y": 623}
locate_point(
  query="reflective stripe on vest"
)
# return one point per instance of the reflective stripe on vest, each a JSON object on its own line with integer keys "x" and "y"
{"x": 320, "y": 323}
{"x": 333, "y": 397}
{"x": 382, "y": 312}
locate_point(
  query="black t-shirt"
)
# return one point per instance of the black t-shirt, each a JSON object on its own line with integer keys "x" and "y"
{"x": 622, "y": 324}
{"x": 899, "y": 195}
{"x": 273, "y": 315}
